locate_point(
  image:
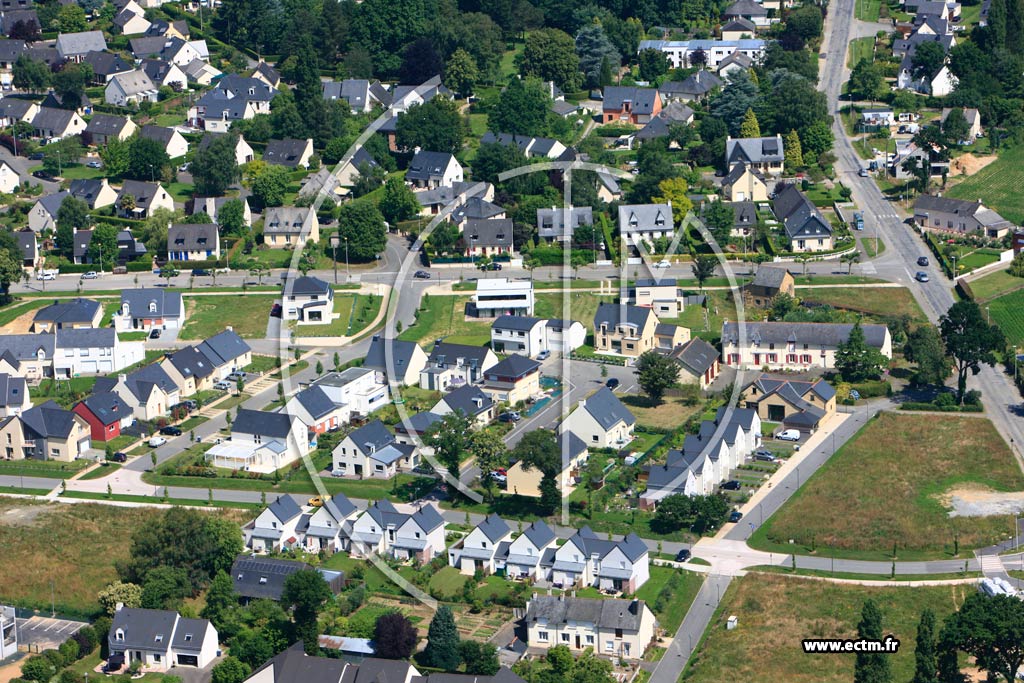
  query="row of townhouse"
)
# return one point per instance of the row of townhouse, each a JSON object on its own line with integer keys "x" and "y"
{"x": 67, "y": 353}
{"x": 135, "y": 199}
{"x": 785, "y": 346}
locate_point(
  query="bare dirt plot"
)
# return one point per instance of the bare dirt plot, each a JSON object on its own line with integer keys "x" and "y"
{"x": 969, "y": 164}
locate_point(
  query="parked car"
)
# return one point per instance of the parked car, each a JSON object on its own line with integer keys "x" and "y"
{"x": 182, "y": 406}
{"x": 337, "y": 473}
{"x": 95, "y": 164}
{"x": 544, "y": 355}
{"x": 46, "y": 275}
{"x": 222, "y": 385}
{"x": 91, "y": 275}
{"x": 190, "y": 404}
{"x": 316, "y": 501}
{"x": 763, "y": 451}
{"x": 491, "y": 266}
{"x": 789, "y": 435}
{"x": 854, "y": 394}
{"x": 170, "y": 430}
{"x": 421, "y": 275}
{"x": 235, "y": 376}
{"x": 511, "y": 416}
{"x": 42, "y": 175}
{"x": 921, "y": 276}
{"x": 154, "y": 333}
{"x": 200, "y": 272}
{"x": 735, "y": 516}
{"x": 275, "y": 311}
{"x": 922, "y": 261}
{"x": 157, "y": 441}
{"x": 683, "y": 555}
{"x": 498, "y": 477}
{"x": 863, "y": 173}
{"x": 732, "y": 485}
{"x": 664, "y": 263}
{"x": 764, "y": 457}
{"x": 35, "y": 156}
{"x": 613, "y": 383}
{"x": 119, "y": 457}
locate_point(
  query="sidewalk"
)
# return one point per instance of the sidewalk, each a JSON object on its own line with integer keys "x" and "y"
{"x": 380, "y": 290}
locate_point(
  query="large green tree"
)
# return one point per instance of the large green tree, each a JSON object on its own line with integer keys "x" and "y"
{"x": 305, "y": 593}
{"x": 926, "y": 348}
{"x": 362, "y": 228}
{"x": 490, "y": 452}
{"x": 269, "y": 185}
{"x": 30, "y": 74}
{"x": 719, "y": 218}
{"x": 550, "y": 55}
{"x": 856, "y": 360}
{"x": 461, "y": 73}
{"x": 732, "y": 103}
{"x": 436, "y": 126}
{"x": 147, "y": 160}
{"x": 72, "y": 215}
{"x": 925, "y": 657}
{"x": 230, "y": 670}
{"x": 991, "y": 629}
{"x": 481, "y": 659}
{"x": 541, "y": 450}
{"x": 655, "y": 374}
{"x": 871, "y": 667}
{"x": 594, "y": 50}
{"x": 449, "y": 437}
{"x": 231, "y": 217}
{"x": 398, "y": 203}
{"x": 215, "y": 168}
{"x": 970, "y": 340}
{"x": 442, "y": 649}
{"x": 221, "y": 600}
{"x": 165, "y": 588}
{"x": 867, "y": 80}
{"x": 523, "y": 108}
{"x": 103, "y": 246}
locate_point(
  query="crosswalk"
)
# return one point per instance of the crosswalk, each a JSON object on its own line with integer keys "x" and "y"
{"x": 991, "y": 565}
{"x": 868, "y": 268}
{"x": 888, "y": 216}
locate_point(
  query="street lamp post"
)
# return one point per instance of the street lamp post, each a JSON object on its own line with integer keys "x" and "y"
{"x": 348, "y": 272}
{"x": 334, "y": 248}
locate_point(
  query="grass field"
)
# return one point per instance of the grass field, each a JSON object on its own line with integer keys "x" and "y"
{"x": 101, "y": 471}
{"x": 444, "y": 316}
{"x": 776, "y": 613}
{"x": 673, "y": 610}
{"x": 868, "y": 10}
{"x": 12, "y": 312}
{"x": 1007, "y": 311}
{"x": 354, "y": 311}
{"x": 720, "y": 308}
{"x": 447, "y": 583}
{"x": 208, "y": 315}
{"x": 861, "y": 48}
{"x": 879, "y": 302}
{"x": 997, "y": 185}
{"x": 885, "y": 487}
{"x": 995, "y": 284}
{"x": 42, "y": 468}
{"x": 582, "y": 306}
{"x": 670, "y": 414}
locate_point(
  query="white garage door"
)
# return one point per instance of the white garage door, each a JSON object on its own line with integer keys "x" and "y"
{"x": 106, "y": 366}
{"x": 88, "y": 366}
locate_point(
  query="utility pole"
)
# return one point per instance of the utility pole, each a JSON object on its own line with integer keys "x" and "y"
{"x": 334, "y": 248}
{"x": 348, "y": 272}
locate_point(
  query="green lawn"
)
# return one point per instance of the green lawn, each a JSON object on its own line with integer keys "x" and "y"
{"x": 120, "y": 443}
{"x": 672, "y": 606}
{"x": 444, "y": 316}
{"x": 997, "y": 185}
{"x": 867, "y": 10}
{"x": 995, "y": 284}
{"x": 12, "y": 312}
{"x": 776, "y": 613}
{"x": 888, "y": 485}
{"x": 873, "y": 246}
{"x": 209, "y": 315}
{"x": 447, "y": 583}
{"x": 193, "y": 422}
{"x": 720, "y": 308}
{"x": 879, "y": 302}
{"x": 354, "y": 312}
{"x": 1007, "y": 311}
{"x": 861, "y": 48}
{"x": 261, "y": 364}
{"x": 582, "y": 305}
{"x": 180, "y": 191}
{"x": 42, "y": 468}
{"x": 101, "y": 471}
{"x": 80, "y": 171}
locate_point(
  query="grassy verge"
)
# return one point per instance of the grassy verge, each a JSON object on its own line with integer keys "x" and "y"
{"x": 444, "y": 316}
{"x": 101, "y": 471}
{"x": 670, "y": 598}
{"x": 861, "y": 48}
{"x": 246, "y": 315}
{"x": 150, "y": 500}
{"x": 995, "y": 284}
{"x": 879, "y": 302}
{"x": 853, "y": 576}
{"x": 42, "y": 468}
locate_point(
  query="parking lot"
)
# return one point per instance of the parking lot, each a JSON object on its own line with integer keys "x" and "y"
{"x": 44, "y": 633}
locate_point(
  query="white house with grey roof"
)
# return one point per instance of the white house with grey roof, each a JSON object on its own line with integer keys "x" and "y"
{"x": 471, "y": 401}
{"x": 806, "y": 228}
{"x": 550, "y": 226}
{"x": 430, "y": 170}
{"x": 95, "y": 192}
{"x": 601, "y": 421}
{"x": 454, "y": 365}
{"x": 530, "y": 555}
{"x": 74, "y": 46}
{"x": 399, "y": 361}
{"x": 173, "y": 142}
{"x": 146, "y": 308}
{"x": 275, "y": 528}
{"x": 308, "y": 300}
{"x": 645, "y": 222}
{"x": 617, "y": 628}
{"x": 162, "y": 639}
{"x": 261, "y": 442}
{"x": 89, "y": 351}
{"x": 679, "y": 52}
{"x": 355, "y": 393}
{"x": 529, "y": 336}
{"x": 794, "y": 346}
{"x": 404, "y": 532}
{"x": 958, "y": 216}
{"x": 148, "y": 197}
{"x": 51, "y": 123}
{"x": 329, "y": 525}
{"x": 43, "y": 214}
{"x": 132, "y": 87}
{"x": 14, "y": 396}
{"x": 477, "y": 550}
{"x": 764, "y": 154}
{"x": 290, "y": 153}
{"x": 588, "y": 560}
{"x": 373, "y": 452}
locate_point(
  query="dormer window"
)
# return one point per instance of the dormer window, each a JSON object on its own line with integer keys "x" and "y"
{"x": 159, "y": 638}
{"x": 119, "y": 636}
{"x": 263, "y": 580}
{"x": 188, "y": 637}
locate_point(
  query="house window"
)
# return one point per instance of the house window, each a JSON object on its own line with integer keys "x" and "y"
{"x": 159, "y": 638}
{"x": 609, "y": 646}
{"x": 156, "y": 658}
{"x": 589, "y": 640}
{"x": 618, "y": 633}
{"x": 805, "y": 358}
{"x": 790, "y": 357}
{"x": 565, "y": 637}
{"x": 119, "y": 636}
{"x": 542, "y": 636}
{"x": 773, "y": 357}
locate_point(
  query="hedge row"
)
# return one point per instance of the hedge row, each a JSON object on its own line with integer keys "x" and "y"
{"x": 941, "y": 409}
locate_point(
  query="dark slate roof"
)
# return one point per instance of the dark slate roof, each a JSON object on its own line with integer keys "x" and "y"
{"x": 284, "y": 507}
{"x": 642, "y": 99}
{"x": 192, "y": 237}
{"x": 697, "y": 84}
{"x": 316, "y": 401}
{"x": 189, "y": 634}
{"x": 85, "y": 338}
{"x": 191, "y": 362}
{"x": 419, "y": 423}
{"x": 106, "y": 63}
{"x": 549, "y": 221}
{"x": 14, "y": 108}
{"x": 251, "y": 89}
{"x": 476, "y": 208}
{"x": 156, "y": 69}
{"x": 515, "y": 365}
{"x": 141, "y": 628}
{"x": 168, "y": 304}
{"x": 754, "y": 150}
{"x": 144, "y": 193}
{"x": 106, "y": 124}
{"x": 161, "y": 134}
{"x": 73, "y": 311}
{"x": 28, "y": 243}
{"x": 470, "y": 400}
{"x": 428, "y": 518}
{"x": 616, "y": 314}
{"x": 48, "y": 420}
{"x": 791, "y": 388}
{"x": 52, "y": 202}
{"x": 224, "y": 347}
{"x": 10, "y": 50}
{"x": 401, "y": 354}
{"x": 272, "y": 425}
{"x": 12, "y": 390}
{"x": 819, "y": 334}
{"x": 309, "y": 286}
{"x": 747, "y": 8}
{"x": 515, "y": 322}
{"x": 740, "y": 24}
{"x": 769, "y": 277}
{"x": 798, "y": 214}
{"x": 605, "y": 407}
{"x": 27, "y": 346}
{"x": 696, "y": 355}
{"x": 287, "y": 152}
{"x": 87, "y": 189}
{"x": 262, "y": 577}
{"x": 661, "y": 125}
{"x": 108, "y": 407}
{"x": 539, "y": 533}
{"x": 80, "y": 43}
{"x": 494, "y": 528}
{"x": 142, "y": 382}
{"x": 590, "y": 543}
{"x": 612, "y": 613}
{"x": 426, "y": 165}
{"x": 494, "y": 232}
{"x": 448, "y": 353}
{"x": 267, "y": 71}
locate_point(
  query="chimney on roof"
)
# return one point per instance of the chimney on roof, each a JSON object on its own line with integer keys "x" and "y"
{"x": 122, "y": 378}
{"x": 118, "y": 607}
{"x": 229, "y": 328}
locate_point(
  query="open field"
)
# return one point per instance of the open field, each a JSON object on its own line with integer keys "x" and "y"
{"x": 885, "y": 487}
{"x": 354, "y": 311}
{"x": 671, "y": 413}
{"x": 997, "y": 185}
{"x": 995, "y": 284}
{"x": 776, "y": 613}
{"x": 670, "y": 612}
{"x": 720, "y": 308}
{"x": 868, "y": 10}
{"x": 1007, "y": 311}
{"x": 444, "y": 316}
{"x": 42, "y": 468}
{"x": 207, "y": 316}
{"x": 582, "y": 306}
{"x": 862, "y": 48}
{"x": 880, "y": 302}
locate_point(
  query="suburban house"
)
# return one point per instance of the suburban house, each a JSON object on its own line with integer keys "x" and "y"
{"x": 525, "y": 481}
{"x": 617, "y": 628}
{"x": 275, "y": 527}
{"x": 698, "y": 362}
{"x": 796, "y": 404}
{"x": 133, "y": 87}
{"x": 75, "y": 313}
{"x": 764, "y": 154}
{"x": 327, "y": 525}
{"x": 549, "y": 222}
{"x": 211, "y": 206}
{"x": 973, "y": 118}
{"x": 452, "y": 365}
{"x": 50, "y": 123}
{"x": 162, "y": 639}
{"x": 243, "y": 152}
{"x": 14, "y": 396}
{"x": 105, "y": 65}
{"x": 767, "y": 284}
{"x": 498, "y": 296}
{"x": 356, "y": 391}
{"x": 261, "y": 442}
{"x": 191, "y": 370}
{"x": 360, "y": 94}
{"x": 96, "y": 192}
{"x": 645, "y": 222}
{"x": 471, "y": 401}
{"x": 164, "y": 73}
{"x": 587, "y": 560}
{"x": 744, "y": 219}
{"x": 673, "y": 114}
{"x": 713, "y": 52}
{"x": 13, "y": 110}
{"x": 149, "y": 391}
{"x": 227, "y": 351}
{"x": 308, "y": 300}
{"x": 193, "y": 242}
{"x": 663, "y": 295}
{"x": 696, "y": 87}
{"x": 532, "y": 148}
{"x": 106, "y": 413}
{"x": 794, "y": 346}
{"x": 106, "y": 127}
{"x": 744, "y": 183}
{"x": 404, "y": 532}
{"x": 88, "y": 351}
{"x": 529, "y": 336}
{"x": 173, "y": 142}
{"x": 290, "y": 226}
{"x": 262, "y": 578}
{"x": 430, "y": 170}
{"x": 401, "y": 362}
{"x": 601, "y": 421}
{"x": 624, "y": 330}
{"x": 74, "y": 46}
{"x": 289, "y": 153}
{"x": 530, "y": 555}
{"x": 417, "y": 426}
{"x": 43, "y": 214}
{"x": 938, "y": 84}
{"x": 28, "y": 248}
{"x": 629, "y": 104}
{"x": 353, "y": 167}
{"x": 44, "y": 432}
{"x": 477, "y": 551}
{"x": 512, "y": 380}
{"x": 372, "y": 452}
{"x": 944, "y": 215}
{"x": 806, "y": 229}
{"x": 144, "y": 309}
{"x": 488, "y": 237}
{"x": 145, "y": 198}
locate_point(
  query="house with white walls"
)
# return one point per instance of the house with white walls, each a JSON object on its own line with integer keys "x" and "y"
{"x": 477, "y": 551}
{"x": 404, "y": 532}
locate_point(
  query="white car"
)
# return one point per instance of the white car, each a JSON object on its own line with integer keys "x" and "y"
{"x": 91, "y": 275}
{"x": 157, "y": 441}
{"x": 337, "y": 473}
{"x": 789, "y": 435}
{"x": 44, "y": 275}
{"x": 663, "y": 264}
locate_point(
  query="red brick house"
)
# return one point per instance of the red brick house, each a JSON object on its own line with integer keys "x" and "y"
{"x": 106, "y": 413}
{"x": 624, "y": 104}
